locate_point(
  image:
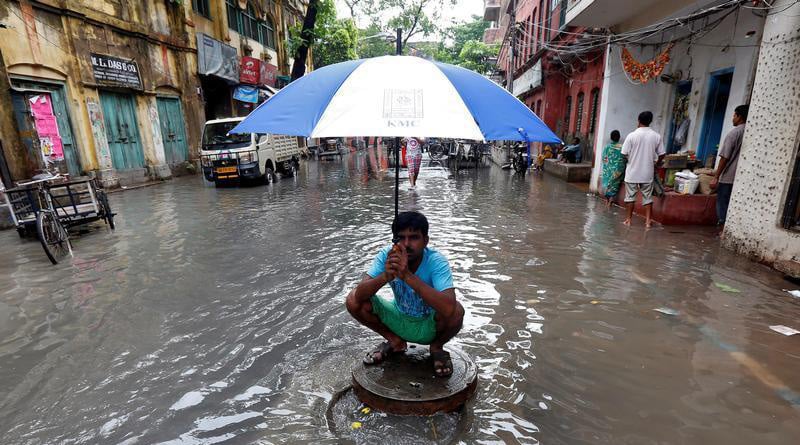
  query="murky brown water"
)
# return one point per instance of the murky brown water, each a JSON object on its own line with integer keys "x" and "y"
{"x": 216, "y": 316}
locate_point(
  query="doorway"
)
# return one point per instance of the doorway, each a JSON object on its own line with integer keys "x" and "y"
{"x": 44, "y": 122}
{"x": 122, "y": 130}
{"x": 679, "y": 127}
{"x": 714, "y": 117}
{"x": 173, "y": 133}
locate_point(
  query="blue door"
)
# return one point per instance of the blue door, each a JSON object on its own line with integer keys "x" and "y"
{"x": 714, "y": 117}
{"x": 122, "y": 130}
{"x": 57, "y": 96}
{"x": 172, "y": 130}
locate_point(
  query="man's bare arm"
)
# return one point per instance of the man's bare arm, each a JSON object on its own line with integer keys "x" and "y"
{"x": 369, "y": 286}
{"x": 443, "y": 302}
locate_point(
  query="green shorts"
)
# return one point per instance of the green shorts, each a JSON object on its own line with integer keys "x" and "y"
{"x": 420, "y": 330}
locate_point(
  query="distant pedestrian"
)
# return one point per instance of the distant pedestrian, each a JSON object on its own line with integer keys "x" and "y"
{"x": 413, "y": 158}
{"x": 613, "y": 168}
{"x": 729, "y": 159}
{"x": 642, "y": 150}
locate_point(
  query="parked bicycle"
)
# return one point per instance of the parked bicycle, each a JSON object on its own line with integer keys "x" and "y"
{"x": 50, "y": 206}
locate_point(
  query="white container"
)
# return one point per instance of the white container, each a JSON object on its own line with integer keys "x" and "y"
{"x": 686, "y": 186}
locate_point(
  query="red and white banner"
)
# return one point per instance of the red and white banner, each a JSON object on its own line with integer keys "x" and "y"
{"x": 249, "y": 70}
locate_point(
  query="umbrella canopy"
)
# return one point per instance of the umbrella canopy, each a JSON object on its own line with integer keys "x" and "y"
{"x": 397, "y": 96}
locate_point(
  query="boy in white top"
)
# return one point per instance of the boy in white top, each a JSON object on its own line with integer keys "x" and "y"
{"x": 643, "y": 150}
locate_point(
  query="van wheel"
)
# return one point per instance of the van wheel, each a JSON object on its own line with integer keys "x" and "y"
{"x": 269, "y": 175}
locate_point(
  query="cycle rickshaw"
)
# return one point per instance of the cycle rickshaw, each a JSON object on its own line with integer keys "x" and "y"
{"x": 48, "y": 207}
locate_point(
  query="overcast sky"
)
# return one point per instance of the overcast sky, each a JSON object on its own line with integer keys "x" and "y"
{"x": 462, "y": 11}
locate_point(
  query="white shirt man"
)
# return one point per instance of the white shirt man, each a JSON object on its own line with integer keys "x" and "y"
{"x": 643, "y": 149}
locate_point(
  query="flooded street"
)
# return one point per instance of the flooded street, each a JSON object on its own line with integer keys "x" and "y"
{"x": 217, "y": 316}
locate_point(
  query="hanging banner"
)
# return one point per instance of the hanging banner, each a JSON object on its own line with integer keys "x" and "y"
{"x": 269, "y": 74}
{"x": 643, "y": 72}
{"x": 46, "y": 128}
{"x": 217, "y": 59}
{"x": 114, "y": 71}
{"x": 249, "y": 70}
{"x": 244, "y": 93}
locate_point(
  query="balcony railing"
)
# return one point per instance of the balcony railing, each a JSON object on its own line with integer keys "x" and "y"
{"x": 491, "y": 10}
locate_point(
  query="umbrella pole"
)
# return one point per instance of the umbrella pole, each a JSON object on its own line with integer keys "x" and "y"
{"x": 396, "y": 176}
{"x": 399, "y": 52}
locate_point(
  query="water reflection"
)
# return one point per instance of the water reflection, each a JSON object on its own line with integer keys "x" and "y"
{"x": 216, "y": 315}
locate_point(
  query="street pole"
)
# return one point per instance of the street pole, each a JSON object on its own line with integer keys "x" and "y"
{"x": 511, "y": 46}
{"x": 510, "y": 70}
{"x": 399, "y": 52}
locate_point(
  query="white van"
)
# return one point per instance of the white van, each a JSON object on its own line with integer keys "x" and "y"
{"x": 233, "y": 158}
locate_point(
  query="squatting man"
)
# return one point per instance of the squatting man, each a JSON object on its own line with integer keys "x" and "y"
{"x": 424, "y": 309}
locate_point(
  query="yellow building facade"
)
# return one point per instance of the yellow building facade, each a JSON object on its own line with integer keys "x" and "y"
{"x": 116, "y": 88}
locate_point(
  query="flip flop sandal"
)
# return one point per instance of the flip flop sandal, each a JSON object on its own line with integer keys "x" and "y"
{"x": 442, "y": 365}
{"x": 384, "y": 349}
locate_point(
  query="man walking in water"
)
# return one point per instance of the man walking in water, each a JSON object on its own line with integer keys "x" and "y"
{"x": 413, "y": 158}
{"x": 643, "y": 150}
{"x": 424, "y": 309}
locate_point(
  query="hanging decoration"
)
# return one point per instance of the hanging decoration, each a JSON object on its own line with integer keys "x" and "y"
{"x": 643, "y": 72}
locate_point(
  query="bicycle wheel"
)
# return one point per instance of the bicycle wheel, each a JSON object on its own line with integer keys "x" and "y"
{"x": 53, "y": 236}
{"x": 105, "y": 209}
{"x": 436, "y": 151}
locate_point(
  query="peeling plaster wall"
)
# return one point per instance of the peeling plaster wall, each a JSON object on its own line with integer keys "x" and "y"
{"x": 770, "y": 143}
{"x": 50, "y": 41}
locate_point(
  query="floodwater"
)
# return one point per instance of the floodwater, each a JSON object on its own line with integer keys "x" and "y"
{"x": 216, "y": 316}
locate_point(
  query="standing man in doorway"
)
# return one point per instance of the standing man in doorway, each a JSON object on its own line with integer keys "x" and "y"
{"x": 729, "y": 159}
{"x": 643, "y": 150}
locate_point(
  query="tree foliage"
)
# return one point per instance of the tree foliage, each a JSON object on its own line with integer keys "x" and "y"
{"x": 335, "y": 40}
{"x": 331, "y": 39}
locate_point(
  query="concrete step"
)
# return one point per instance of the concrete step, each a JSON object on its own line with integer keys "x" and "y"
{"x": 568, "y": 172}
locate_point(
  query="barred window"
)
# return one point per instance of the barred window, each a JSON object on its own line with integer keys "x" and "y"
{"x": 791, "y": 210}
{"x": 567, "y": 113}
{"x": 593, "y": 111}
{"x": 579, "y": 113}
{"x": 201, "y": 7}
{"x": 249, "y": 25}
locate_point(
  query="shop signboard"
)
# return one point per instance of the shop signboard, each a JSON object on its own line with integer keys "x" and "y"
{"x": 269, "y": 74}
{"x": 113, "y": 71}
{"x": 529, "y": 80}
{"x": 249, "y": 70}
{"x": 244, "y": 93}
{"x": 217, "y": 59}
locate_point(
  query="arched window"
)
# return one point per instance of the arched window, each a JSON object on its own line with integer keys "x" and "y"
{"x": 579, "y": 113}
{"x": 593, "y": 111}
{"x": 539, "y": 108}
{"x": 567, "y": 114}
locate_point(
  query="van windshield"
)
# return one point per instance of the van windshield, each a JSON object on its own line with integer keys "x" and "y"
{"x": 217, "y": 135}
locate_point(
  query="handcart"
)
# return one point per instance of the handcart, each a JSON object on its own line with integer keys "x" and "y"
{"x": 49, "y": 207}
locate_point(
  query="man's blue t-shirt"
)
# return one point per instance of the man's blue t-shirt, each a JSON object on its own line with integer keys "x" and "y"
{"x": 433, "y": 271}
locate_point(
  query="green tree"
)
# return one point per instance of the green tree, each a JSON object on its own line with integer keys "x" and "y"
{"x": 333, "y": 40}
{"x": 301, "y": 39}
{"x": 478, "y": 56}
{"x": 370, "y": 46}
{"x": 462, "y": 33}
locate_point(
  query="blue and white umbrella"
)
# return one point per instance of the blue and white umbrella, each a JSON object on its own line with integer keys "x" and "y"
{"x": 397, "y": 96}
